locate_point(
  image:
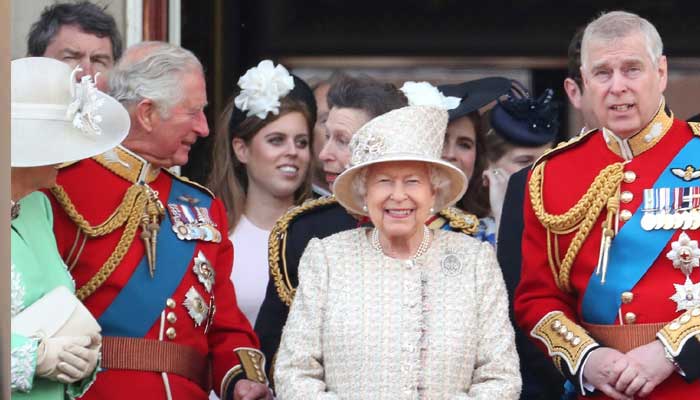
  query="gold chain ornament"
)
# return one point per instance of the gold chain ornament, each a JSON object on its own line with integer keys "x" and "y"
{"x": 140, "y": 205}
{"x": 579, "y": 218}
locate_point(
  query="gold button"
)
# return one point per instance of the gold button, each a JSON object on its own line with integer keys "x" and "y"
{"x": 625, "y": 215}
{"x": 630, "y": 318}
{"x": 626, "y": 196}
{"x": 170, "y": 332}
{"x": 627, "y": 297}
{"x": 170, "y": 303}
{"x": 629, "y": 176}
{"x": 172, "y": 318}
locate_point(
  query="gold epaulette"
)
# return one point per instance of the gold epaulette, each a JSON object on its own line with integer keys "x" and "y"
{"x": 277, "y": 246}
{"x": 565, "y": 340}
{"x": 679, "y": 331}
{"x": 460, "y": 220}
{"x": 561, "y": 146}
{"x": 695, "y": 127}
{"x": 187, "y": 180}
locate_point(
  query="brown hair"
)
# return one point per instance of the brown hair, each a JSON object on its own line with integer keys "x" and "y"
{"x": 476, "y": 198}
{"x": 366, "y": 94}
{"x": 229, "y": 177}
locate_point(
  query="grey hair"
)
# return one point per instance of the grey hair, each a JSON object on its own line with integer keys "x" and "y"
{"x": 616, "y": 25}
{"x": 152, "y": 70}
{"x": 439, "y": 180}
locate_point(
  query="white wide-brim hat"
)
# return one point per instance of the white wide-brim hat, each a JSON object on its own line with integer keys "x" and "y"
{"x": 55, "y": 119}
{"x": 414, "y": 133}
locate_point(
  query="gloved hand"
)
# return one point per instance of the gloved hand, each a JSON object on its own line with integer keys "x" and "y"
{"x": 67, "y": 359}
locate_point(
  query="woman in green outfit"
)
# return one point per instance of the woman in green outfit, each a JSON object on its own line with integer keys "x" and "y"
{"x": 54, "y": 120}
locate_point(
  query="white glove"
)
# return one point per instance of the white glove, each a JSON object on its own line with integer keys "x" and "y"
{"x": 67, "y": 359}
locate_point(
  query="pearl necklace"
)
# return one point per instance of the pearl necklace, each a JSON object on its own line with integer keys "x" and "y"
{"x": 422, "y": 248}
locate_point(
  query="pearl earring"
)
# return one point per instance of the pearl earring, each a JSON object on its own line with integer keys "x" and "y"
{"x": 364, "y": 208}
{"x": 432, "y": 210}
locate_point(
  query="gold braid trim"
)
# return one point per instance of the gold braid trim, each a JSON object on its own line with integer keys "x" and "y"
{"x": 579, "y": 218}
{"x": 114, "y": 221}
{"x": 278, "y": 243}
{"x": 695, "y": 127}
{"x": 458, "y": 219}
{"x": 128, "y": 211}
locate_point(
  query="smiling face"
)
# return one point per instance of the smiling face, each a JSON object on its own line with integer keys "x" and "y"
{"x": 460, "y": 145}
{"x": 173, "y": 135}
{"x": 341, "y": 124}
{"x": 277, "y": 157}
{"x": 399, "y": 197}
{"x": 75, "y": 47}
{"x": 624, "y": 84}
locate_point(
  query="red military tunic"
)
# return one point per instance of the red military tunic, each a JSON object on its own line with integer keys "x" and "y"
{"x": 96, "y": 188}
{"x": 549, "y": 304}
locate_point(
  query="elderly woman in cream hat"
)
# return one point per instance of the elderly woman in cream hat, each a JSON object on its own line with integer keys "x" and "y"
{"x": 55, "y": 341}
{"x": 398, "y": 311}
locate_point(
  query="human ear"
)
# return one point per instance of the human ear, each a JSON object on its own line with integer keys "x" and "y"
{"x": 147, "y": 114}
{"x": 240, "y": 149}
{"x": 573, "y": 91}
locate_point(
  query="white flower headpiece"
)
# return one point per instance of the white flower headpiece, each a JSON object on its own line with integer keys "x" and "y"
{"x": 262, "y": 87}
{"x": 83, "y": 108}
{"x": 425, "y": 94}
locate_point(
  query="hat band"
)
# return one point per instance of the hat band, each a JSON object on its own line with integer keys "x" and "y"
{"x": 391, "y": 156}
{"x": 51, "y": 112}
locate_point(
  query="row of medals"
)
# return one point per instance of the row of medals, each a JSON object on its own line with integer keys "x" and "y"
{"x": 666, "y": 208}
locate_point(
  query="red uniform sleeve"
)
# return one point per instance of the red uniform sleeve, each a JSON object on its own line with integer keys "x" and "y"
{"x": 230, "y": 328}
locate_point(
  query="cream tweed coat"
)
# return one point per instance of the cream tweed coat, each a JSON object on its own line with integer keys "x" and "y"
{"x": 366, "y": 326}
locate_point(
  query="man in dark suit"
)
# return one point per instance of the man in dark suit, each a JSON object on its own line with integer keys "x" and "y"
{"x": 541, "y": 380}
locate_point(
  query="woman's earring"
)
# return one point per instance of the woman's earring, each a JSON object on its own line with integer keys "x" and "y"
{"x": 432, "y": 210}
{"x": 364, "y": 208}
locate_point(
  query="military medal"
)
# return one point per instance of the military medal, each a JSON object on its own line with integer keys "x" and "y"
{"x": 196, "y": 306}
{"x": 685, "y": 256}
{"x": 204, "y": 271}
{"x": 687, "y": 295}
{"x": 662, "y": 195}
{"x": 678, "y": 208}
{"x": 208, "y": 226}
{"x": 647, "y": 221}
{"x": 178, "y": 225}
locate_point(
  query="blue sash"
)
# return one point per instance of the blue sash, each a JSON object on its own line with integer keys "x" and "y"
{"x": 139, "y": 304}
{"x": 633, "y": 250}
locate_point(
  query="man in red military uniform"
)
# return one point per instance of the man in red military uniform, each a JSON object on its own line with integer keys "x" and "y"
{"x": 610, "y": 284}
{"x": 146, "y": 248}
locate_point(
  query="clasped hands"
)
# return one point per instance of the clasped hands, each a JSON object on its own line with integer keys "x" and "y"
{"x": 626, "y": 376}
{"x": 67, "y": 359}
